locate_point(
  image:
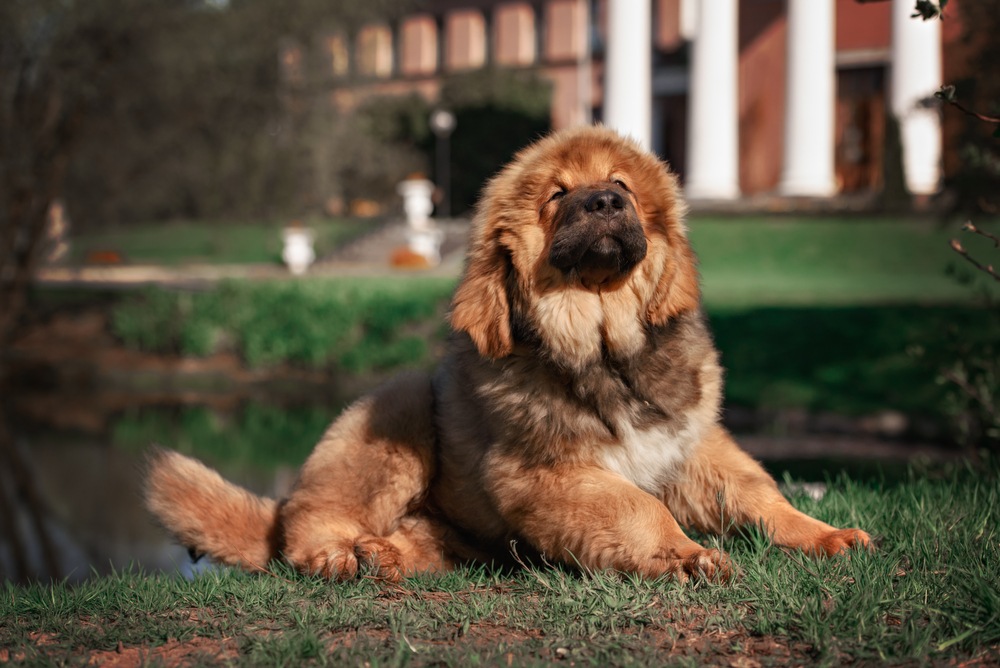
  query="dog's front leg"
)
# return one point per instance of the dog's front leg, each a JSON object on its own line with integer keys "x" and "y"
{"x": 358, "y": 500}
{"x": 722, "y": 487}
{"x": 590, "y": 517}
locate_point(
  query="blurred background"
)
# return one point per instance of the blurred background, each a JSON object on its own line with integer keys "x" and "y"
{"x": 223, "y": 220}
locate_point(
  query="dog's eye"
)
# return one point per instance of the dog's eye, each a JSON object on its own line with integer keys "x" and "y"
{"x": 621, "y": 184}
{"x": 557, "y": 194}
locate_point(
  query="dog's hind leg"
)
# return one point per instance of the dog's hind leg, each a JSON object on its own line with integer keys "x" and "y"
{"x": 722, "y": 487}
{"x": 357, "y": 500}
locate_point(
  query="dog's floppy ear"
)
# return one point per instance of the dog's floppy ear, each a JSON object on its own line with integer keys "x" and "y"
{"x": 677, "y": 290}
{"x": 480, "y": 306}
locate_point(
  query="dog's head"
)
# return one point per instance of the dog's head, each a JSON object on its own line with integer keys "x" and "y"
{"x": 596, "y": 233}
{"x": 582, "y": 226}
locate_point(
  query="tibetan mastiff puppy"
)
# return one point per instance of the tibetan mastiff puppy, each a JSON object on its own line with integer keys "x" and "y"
{"x": 575, "y": 415}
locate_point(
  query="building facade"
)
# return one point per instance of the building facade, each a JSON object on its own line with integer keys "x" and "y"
{"x": 742, "y": 97}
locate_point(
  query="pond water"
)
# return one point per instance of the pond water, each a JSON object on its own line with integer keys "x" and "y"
{"x": 70, "y": 497}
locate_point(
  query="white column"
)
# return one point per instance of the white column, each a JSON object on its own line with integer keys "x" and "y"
{"x": 585, "y": 73}
{"x": 810, "y": 100}
{"x": 713, "y": 109}
{"x": 628, "y": 79}
{"x": 688, "y": 10}
{"x": 916, "y": 74}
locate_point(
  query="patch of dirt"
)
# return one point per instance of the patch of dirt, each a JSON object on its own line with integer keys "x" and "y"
{"x": 195, "y": 651}
{"x": 174, "y": 652}
{"x": 734, "y": 648}
{"x": 668, "y": 642}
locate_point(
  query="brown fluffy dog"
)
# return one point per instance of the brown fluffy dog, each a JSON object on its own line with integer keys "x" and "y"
{"x": 575, "y": 412}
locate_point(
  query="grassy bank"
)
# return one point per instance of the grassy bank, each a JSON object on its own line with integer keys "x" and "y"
{"x": 928, "y": 594}
{"x": 355, "y": 325}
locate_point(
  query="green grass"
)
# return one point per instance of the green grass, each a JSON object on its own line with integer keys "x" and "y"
{"x": 831, "y": 261}
{"x": 745, "y": 261}
{"x": 928, "y": 594}
{"x": 184, "y": 242}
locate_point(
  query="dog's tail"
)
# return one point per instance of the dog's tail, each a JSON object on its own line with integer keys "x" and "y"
{"x": 209, "y": 515}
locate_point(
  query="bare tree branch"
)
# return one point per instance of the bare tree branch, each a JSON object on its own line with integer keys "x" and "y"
{"x": 947, "y": 93}
{"x": 988, "y": 269}
{"x": 969, "y": 227}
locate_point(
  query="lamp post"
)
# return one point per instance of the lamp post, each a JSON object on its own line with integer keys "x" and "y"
{"x": 442, "y": 124}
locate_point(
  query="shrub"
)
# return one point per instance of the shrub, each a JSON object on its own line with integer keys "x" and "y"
{"x": 309, "y": 323}
{"x": 148, "y": 321}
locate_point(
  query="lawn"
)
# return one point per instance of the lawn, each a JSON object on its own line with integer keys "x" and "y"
{"x": 753, "y": 262}
{"x": 184, "y": 242}
{"x": 929, "y": 593}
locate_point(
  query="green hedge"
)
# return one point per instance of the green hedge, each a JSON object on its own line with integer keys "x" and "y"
{"x": 315, "y": 323}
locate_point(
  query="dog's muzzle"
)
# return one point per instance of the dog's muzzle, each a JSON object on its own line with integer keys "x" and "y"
{"x": 598, "y": 236}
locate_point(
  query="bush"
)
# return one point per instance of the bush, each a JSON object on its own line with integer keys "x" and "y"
{"x": 149, "y": 321}
{"x": 308, "y": 323}
{"x": 974, "y": 181}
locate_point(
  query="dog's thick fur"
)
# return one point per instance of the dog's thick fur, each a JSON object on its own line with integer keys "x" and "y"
{"x": 576, "y": 411}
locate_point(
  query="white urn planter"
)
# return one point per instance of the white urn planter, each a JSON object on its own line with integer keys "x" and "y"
{"x": 298, "y": 251}
{"x": 423, "y": 237}
{"x": 426, "y": 243}
{"x": 417, "y": 202}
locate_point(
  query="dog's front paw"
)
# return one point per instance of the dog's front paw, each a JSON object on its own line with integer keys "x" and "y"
{"x": 345, "y": 560}
{"x": 377, "y": 557}
{"x": 838, "y": 541}
{"x": 701, "y": 564}
{"x": 335, "y": 560}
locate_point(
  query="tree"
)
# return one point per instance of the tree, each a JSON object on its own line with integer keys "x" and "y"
{"x": 156, "y": 106}
{"x": 56, "y": 61}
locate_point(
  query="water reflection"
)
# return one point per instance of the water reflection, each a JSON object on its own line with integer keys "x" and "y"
{"x": 70, "y": 500}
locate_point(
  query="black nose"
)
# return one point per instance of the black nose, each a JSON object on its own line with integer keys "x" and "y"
{"x": 604, "y": 200}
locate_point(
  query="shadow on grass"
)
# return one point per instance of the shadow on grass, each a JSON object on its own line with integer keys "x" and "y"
{"x": 848, "y": 360}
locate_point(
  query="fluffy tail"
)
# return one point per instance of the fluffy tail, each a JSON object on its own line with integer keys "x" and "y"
{"x": 210, "y": 515}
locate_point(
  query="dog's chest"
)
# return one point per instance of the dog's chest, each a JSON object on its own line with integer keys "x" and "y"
{"x": 652, "y": 422}
{"x": 648, "y": 457}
